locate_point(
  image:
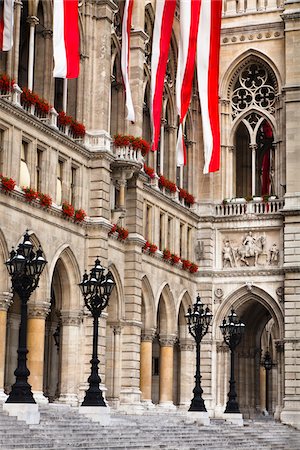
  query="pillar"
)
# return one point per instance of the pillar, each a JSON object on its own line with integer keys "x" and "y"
{"x": 5, "y": 301}
{"x": 69, "y": 356}
{"x": 166, "y": 371}
{"x": 16, "y": 46}
{"x": 146, "y": 366}
{"x": 37, "y": 314}
{"x": 187, "y": 359}
{"x": 33, "y": 21}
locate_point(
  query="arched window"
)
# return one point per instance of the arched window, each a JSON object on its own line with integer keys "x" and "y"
{"x": 253, "y": 96}
{"x": 117, "y": 103}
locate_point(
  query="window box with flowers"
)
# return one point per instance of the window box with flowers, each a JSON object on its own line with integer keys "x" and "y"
{"x": 67, "y": 209}
{"x": 186, "y": 264}
{"x": 149, "y": 171}
{"x": 166, "y": 254}
{"x": 188, "y": 198}
{"x": 45, "y": 200}
{"x": 29, "y": 98}
{"x": 149, "y": 247}
{"x": 137, "y": 143}
{"x": 120, "y": 231}
{"x": 79, "y": 215}
{"x": 6, "y": 84}
{"x": 30, "y": 194}
{"x": 7, "y": 184}
{"x": 175, "y": 259}
{"x": 193, "y": 268}
{"x": 167, "y": 184}
{"x": 65, "y": 123}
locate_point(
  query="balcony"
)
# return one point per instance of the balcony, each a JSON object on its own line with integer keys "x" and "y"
{"x": 254, "y": 207}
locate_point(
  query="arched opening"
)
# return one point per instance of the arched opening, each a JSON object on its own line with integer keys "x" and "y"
{"x": 117, "y": 101}
{"x": 24, "y": 47}
{"x": 243, "y": 169}
{"x": 257, "y": 392}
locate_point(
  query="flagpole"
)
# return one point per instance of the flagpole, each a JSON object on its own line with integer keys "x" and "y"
{"x": 65, "y": 94}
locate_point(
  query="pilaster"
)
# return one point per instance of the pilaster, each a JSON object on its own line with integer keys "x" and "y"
{"x": 5, "y": 302}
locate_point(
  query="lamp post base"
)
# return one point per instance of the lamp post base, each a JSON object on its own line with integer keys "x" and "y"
{"x": 234, "y": 418}
{"x": 29, "y": 412}
{"x": 96, "y": 413}
{"x": 201, "y": 417}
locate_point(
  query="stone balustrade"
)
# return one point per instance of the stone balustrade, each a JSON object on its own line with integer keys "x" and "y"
{"x": 128, "y": 154}
{"x": 241, "y": 7}
{"x": 252, "y": 207}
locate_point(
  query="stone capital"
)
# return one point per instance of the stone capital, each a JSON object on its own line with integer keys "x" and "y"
{"x": 32, "y": 20}
{"x": 147, "y": 335}
{"x": 186, "y": 345}
{"x": 38, "y": 310}
{"x": 5, "y": 300}
{"x": 71, "y": 318}
{"x": 167, "y": 341}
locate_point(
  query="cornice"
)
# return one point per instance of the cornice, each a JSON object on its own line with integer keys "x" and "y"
{"x": 242, "y": 218}
{"x": 244, "y": 272}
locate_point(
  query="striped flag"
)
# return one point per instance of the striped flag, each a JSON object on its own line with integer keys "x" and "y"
{"x": 126, "y": 27}
{"x": 208, "y": 51}
{"x": 189, "y": 22}
{"x": 6, "y": 24}
{"x": 160, "y": 48}
{"x": 66, "y": 39}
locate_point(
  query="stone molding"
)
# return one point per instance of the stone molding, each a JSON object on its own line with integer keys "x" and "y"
{"x": 5, "y": 300}
{"x": 38, "y": 310}
{"x": 167, "y": 341}
{"x": 148, "y": 335}
{"x": 221, "y": 347}
{"x": 71, "y": 318}
{"x": 186, "y": 345}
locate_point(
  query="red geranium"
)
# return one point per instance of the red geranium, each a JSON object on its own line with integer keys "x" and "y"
{"x": 167, "y": 184}
{"x": 8, "y": 184}
{"x": 68, "y": 209}
{"x": 123, "y": 140}
{"x": 166, "y": 254}
{"x": 79, "y": 215}
{"x": 45, "y": 200}
{"x": 175, "y": 258}
{"x": 123, "y": 233}
{"x": 63, "y": 119}
{"x": 31, "y": 98}
{"x": 190, "y": 199}
{"x": 149, "y": 171}
{"x": 186, "y": 264}
{"x": 193, "y": 268}
{"x": 30, "y": 194}
{"x": 6, "y": 83}
{"x": 78, "y": 129}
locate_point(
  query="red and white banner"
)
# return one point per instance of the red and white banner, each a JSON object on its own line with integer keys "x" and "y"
{"x": 189, "y": 23}
{"x": 208, "y": 51}
{"x": 126, "y": 27}
{"x": 66, "y": 39}
{"x": 164, "y": 15}
{"x": 6, "y": 25}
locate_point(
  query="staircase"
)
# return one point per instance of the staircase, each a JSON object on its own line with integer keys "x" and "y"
{"x": 62, "y": 428}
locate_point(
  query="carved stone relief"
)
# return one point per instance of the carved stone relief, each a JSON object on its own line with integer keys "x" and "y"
{"x": 251, "y": 249}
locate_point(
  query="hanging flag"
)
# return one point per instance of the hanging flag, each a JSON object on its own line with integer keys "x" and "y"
{"x": 126, "y": 27}
{"x": 66, "y": 39}
{"x": 160, "y": 48}
{"x": 189, "y": 23}
{"x": 6, "y": 25}
{"x": 208, "y": 51}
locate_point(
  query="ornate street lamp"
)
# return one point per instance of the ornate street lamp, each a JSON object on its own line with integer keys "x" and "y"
{"x": 232, "y": 331}
{"x": 198, "y": 319}
{"x": 24, "y": 267}
{"x": 96, "y": 289}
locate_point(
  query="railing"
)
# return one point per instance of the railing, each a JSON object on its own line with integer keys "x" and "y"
{"x": 253, "y": 207}
{"x": 128, "y": 154}
{"x": 239, "y": 7}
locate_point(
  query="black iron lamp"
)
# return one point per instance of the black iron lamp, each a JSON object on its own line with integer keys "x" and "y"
{"x": 198, "y": 319}
{"x": 96, "y": 289}
{"x": 25, "y": 268}
{"x": 267, "y": 363}
{"x": 232, "y": 330}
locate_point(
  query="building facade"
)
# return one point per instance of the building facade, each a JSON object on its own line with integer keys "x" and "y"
{"x": 243, "y": 231}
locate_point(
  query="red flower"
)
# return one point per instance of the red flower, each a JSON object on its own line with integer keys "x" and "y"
{"x": 31, "y": 98}
{"x": 193, "y": 268}
{"x": 123, "y": 233}
{"x": 137, "y": 143}
{"x": 30, "y": 194}
{"x": 175, "y": 258}
{"x": 149, "y": 171}
{"x": 169, "y": 185}
{"x": 146, "y": 246}
{"x": 79, "y": 215}
{"x": 68, "y": 209}
{"x": 190, "y": 199}
{"x": 186, "y": 264}
{"x": 6, "y": 83}
{"x": 113, "y": 229}
{"x": 63, "y": 119}
{"x": 45, "y": 200}
{"x": 182, "y": 193}
{"x": 152, "y": 248}
{"x": 8, "y": 184}
{"x": 166, "y": 254}
{"x": 78, "y": 129}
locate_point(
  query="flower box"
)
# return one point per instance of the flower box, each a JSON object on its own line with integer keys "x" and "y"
{"x": 30, "y": 194}
{"x": 122, "y": 232}
{"x": 45, "y": 200}
{"x": 167, "y": 254}
{"x": 193, "y": 268}
{"x": 175, "y": 259}
{"x": 67, "y": 209}
{"x": 79, "y": 215}
{"x": 6, "y": 84}
{"x": 137, "y": 143}
{"x": 7, "y": 184}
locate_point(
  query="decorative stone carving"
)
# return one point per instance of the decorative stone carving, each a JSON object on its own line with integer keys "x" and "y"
{"x": 5, "y": 300}
{"x": 274, "y": 255}
{"x": 39, "y": 310}
{"x": 199, "y": 250}
{"x": 248, "y": 253}
{"x": 71, "y": 318}
{"x": 218, "y": 295}
{"x": 147, "y": 335}
{"x": 186, "y": 345}
{"x": 228, "y": 255}
{"x": 167, "y": 341}
{"x": 280, "y": 294}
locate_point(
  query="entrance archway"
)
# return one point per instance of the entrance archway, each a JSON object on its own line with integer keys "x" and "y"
{"x": 263, "y": 318}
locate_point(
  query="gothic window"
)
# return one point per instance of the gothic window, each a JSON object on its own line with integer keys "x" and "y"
{"x": 253, "y": 88}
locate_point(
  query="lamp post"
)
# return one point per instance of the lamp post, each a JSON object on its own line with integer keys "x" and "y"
{"x": 267, "y": 364}
{"x": 24, "y": 267}
{"x": 198, "y": 320}
{"x": 232, "y": 331}
{"x": 96, "y": 289}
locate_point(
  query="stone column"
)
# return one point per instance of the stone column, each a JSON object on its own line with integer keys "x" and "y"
{"x": 5, "y": 301}
{"x": 70, "y": 350}
{"x": 33, "y": 21}
{"x": 16, "y": 46}
{"x": 166, "y": 371}
{"x": 37, "y": 314}
{"x": 253, "y": 150}
{"x": 146, "y": 366}
{"x": 187, "y": 364}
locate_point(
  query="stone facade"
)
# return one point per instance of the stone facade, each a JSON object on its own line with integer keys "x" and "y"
{"x": 247, "y": 247}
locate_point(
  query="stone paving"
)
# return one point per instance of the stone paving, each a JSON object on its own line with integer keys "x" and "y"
{"x": 62, "y": 428}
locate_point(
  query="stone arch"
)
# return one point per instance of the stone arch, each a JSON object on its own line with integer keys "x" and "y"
{"x": 167, "y": 323}
{"x": 239, "y": 63}
{"x": 117, "y": 294}
{"x": 148, "y": 317}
